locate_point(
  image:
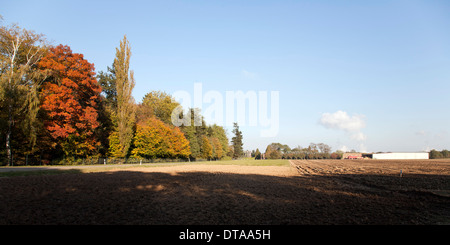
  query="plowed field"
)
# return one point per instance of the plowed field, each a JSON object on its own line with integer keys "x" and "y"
{"x": 307, "y": 192}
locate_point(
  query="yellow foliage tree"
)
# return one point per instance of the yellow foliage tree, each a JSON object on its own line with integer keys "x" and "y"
{"x": 217, "y": 148}
{"x": 206, "y": 149}
{"x": 155, "y": 139}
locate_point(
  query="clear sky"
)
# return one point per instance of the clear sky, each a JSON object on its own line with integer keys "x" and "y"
{"x": 363, "y": 75}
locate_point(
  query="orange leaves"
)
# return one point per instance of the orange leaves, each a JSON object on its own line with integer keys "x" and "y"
{"x": 69, "y": 99}
{"x": 90, "y": 115}
{"x": 180, "y": 144}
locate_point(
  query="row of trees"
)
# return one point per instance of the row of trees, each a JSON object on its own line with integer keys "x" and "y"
{"x": 54, "y": 106}
{"x": 145, "y": 130}
{"x": 313, "y": 151}
{"x": 317, "y": 151}
{"x": 207, "y": 142}
{"x": 434, "y": 154}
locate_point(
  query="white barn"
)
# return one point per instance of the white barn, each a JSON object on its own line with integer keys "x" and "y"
{"x": 401, "y": 155}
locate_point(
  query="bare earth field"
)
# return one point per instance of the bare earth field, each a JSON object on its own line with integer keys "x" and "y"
{"x": 307, "y": 192}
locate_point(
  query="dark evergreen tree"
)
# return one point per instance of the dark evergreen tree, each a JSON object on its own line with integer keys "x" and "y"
{"x": 237, "y": 142}
{"x": 257, "y": 154}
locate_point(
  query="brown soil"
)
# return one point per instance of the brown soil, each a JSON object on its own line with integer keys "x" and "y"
{"x": 308, "y": 192}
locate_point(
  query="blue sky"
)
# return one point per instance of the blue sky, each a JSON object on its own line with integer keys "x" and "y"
{"x": 385, "y": 64}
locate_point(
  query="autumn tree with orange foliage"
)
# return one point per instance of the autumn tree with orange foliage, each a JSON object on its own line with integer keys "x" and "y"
{"x": 69, "y": 100}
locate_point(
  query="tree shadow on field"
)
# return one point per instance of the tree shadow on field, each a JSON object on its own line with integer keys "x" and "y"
{"x": 131, "y": 197}
{"x": 26, "y": 171}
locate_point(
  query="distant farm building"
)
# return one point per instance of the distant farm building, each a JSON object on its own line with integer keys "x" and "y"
{"x": 401, "y": 155}
{"x": 247, "y": 153}
{"x": 352, "y": 155}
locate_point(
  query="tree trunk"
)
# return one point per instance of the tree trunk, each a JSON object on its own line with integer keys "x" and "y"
{"x": 8, "y": 135}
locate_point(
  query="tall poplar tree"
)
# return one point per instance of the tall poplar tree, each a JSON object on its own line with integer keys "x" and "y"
{"x": 124, "y": 118}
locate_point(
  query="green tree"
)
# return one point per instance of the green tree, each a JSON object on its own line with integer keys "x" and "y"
{"x": 434, "y": 154}
{"x": 445, "y": 153}
{"x": 257, "y": 154}
{"x": 20, "y": 51}
{"x": 237, "y": 142}
{"x": 107, "y": 81}
{"x": 158, "y": 104}
{"x": 125, "y": 117}
{"x": 220, "y": 133}
{"x": 107, "y": 110}
{"x": 104, "y": 131}
{"x": 277, "y": 150}
{"x": 190, "y": 134}
{"x": 194, "y": 133}
{"x": 273, "y": 151}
